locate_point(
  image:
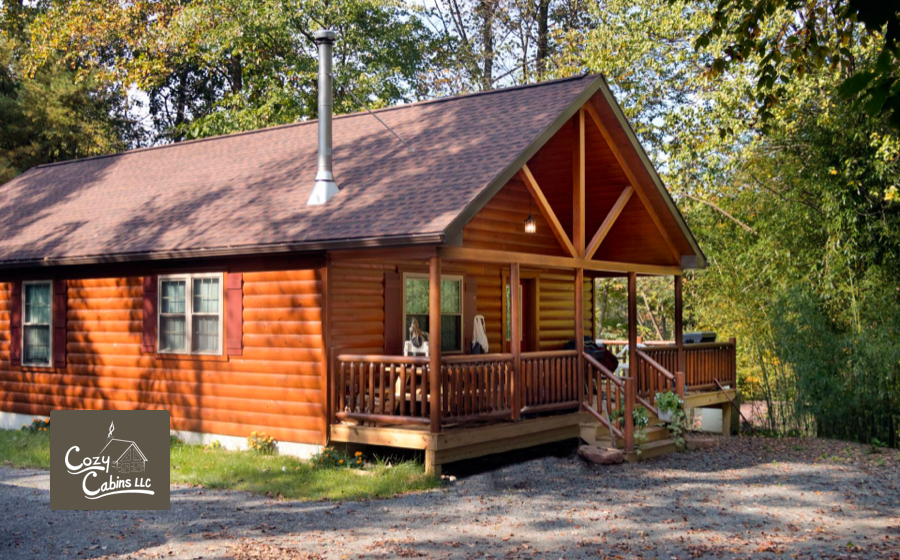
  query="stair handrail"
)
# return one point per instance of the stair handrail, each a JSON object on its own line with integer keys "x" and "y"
{"x": 656, "y": 365}
{"x": 588, "y": 406}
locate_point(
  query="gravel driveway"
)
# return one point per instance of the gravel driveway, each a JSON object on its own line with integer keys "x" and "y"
{"x": 748, "y": 498}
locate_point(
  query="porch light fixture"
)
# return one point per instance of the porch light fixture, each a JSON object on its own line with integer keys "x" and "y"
{"x": 530, "y": 223}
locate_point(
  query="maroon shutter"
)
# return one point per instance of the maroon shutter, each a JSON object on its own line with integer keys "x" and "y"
{"x": 15, "y": 324}
{"x": 148, "y": 343}
{"x": 60, "y": 306}
{"x": 393, "y": 315}
{"x": 470, "y": 309}
{"x": 234, "y": 308}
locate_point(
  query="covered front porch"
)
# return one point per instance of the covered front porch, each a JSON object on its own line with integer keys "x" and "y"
{"x": 456, "y": 406}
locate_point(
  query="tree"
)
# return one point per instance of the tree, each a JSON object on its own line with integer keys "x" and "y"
{"x": 818, "y": 34}
{"x": 499, "y": 42}
{"x": 212, "y": 67}
{"x": 50, "y": 115}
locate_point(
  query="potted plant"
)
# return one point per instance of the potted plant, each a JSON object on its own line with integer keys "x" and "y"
{"x": 666, "y": 405}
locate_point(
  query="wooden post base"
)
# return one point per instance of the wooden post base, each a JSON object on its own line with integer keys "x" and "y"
{"x": 431, "y": 466}
{"x": 727, "y": 411}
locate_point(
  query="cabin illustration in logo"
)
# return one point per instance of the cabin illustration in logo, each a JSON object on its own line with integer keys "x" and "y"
{"x": 124, "y": 455}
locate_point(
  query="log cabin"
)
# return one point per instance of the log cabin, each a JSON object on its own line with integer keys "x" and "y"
{"x": 267, "y": 280}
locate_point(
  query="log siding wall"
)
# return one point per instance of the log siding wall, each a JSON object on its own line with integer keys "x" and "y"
{"x": 277, "y": 386}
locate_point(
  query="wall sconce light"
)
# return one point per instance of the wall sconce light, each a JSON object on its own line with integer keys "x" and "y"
{"x": 530, "y": 222}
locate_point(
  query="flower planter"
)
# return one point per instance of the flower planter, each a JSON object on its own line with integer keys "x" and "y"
{"x": 665, "y": 416}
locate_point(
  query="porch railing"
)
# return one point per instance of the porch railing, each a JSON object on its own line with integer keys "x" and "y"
{"x": 652, "y": 378}
{"x": 606, "y": 395}
{"x": 477, "y": 387}
{"x": 704, "y": 363}
{"x": 392, "y": 390}
{"x": 549, "y": 381}
{"x": 381, "y": 389}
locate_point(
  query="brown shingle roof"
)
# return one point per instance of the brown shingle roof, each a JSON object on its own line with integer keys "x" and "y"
{"x": 250, "y": 189}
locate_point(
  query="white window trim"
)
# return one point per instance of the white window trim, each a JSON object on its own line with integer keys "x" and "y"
{"x": 24, "y": 324}
{"x": 188, "y": 312}
{"x": 462, "y": 291}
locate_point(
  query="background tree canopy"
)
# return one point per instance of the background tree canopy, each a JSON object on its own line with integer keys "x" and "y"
{"x": 773, "y": 122}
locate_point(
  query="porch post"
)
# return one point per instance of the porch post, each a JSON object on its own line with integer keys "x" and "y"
{"x": 632, "y": 381}
{"x": 434, "y": 341}
{"x": 579, "y": 336}
{"x": 679, "y": 337}
{"x": 515, "y": 339}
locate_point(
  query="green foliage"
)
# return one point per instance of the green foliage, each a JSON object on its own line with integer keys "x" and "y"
{"x": 786, "y": 40}
{"x": 213, "y": 67}
{"x": 667, "y": 402}
{"x": 798, "y": 218}
{"x": 52, "y": 115}
{"x": 677, "y": 427}
{"x": 37, "y": 425}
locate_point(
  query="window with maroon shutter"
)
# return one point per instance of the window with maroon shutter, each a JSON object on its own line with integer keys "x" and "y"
{"x": 234, "y": 309}
{"x": 148, "y": 342}
{"x": 60, "y": 306}
{"x": 15, "y": 324}
{"x": 393, "y": 315}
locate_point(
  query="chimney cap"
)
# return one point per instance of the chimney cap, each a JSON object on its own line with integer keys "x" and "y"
{"x": 325, "y": 36}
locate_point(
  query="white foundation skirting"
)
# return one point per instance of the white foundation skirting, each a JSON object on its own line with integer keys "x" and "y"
{"x": 15, "y": 421}
{"x": 301, "y": 450}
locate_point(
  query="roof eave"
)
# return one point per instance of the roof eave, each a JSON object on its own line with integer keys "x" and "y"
{"x": 241, "y": 251}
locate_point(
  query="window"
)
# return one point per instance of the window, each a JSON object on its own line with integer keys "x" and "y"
{"x": 37, "y": 325}
{"x": 190, "y": 314}
{"x": 416, "y": 287}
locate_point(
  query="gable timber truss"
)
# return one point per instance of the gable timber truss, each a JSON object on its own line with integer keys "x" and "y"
{"x": 576, "y": 247}
{"x": 579, "y": 252}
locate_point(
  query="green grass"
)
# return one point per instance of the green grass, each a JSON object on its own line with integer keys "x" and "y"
{"x": 293, "y": 478}
{"x": 280, "y": 475}
{"x": 24, "y": 449}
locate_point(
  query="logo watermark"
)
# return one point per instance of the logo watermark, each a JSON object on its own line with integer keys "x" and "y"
{"x": 128, "y": 469}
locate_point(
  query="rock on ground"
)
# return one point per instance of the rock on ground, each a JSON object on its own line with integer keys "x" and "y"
{"x": 600, "y": 455}
{"x": 748, "y": 499}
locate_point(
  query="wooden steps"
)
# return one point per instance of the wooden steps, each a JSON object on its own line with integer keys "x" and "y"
{"x": 659, "y": 441}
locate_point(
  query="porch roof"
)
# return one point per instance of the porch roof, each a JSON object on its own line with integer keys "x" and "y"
{"x": 246, "y": 193}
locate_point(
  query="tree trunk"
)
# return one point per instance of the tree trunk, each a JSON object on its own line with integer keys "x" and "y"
{"x": 236, "y": 70}
{"x": 488, "y": 9}
{"x": 543, "y": 39}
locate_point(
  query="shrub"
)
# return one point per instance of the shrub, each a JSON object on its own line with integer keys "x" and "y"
{"x": 262, "y": 443}
{"x": 37, "y": 425}
{"x": 330, "y": 457}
